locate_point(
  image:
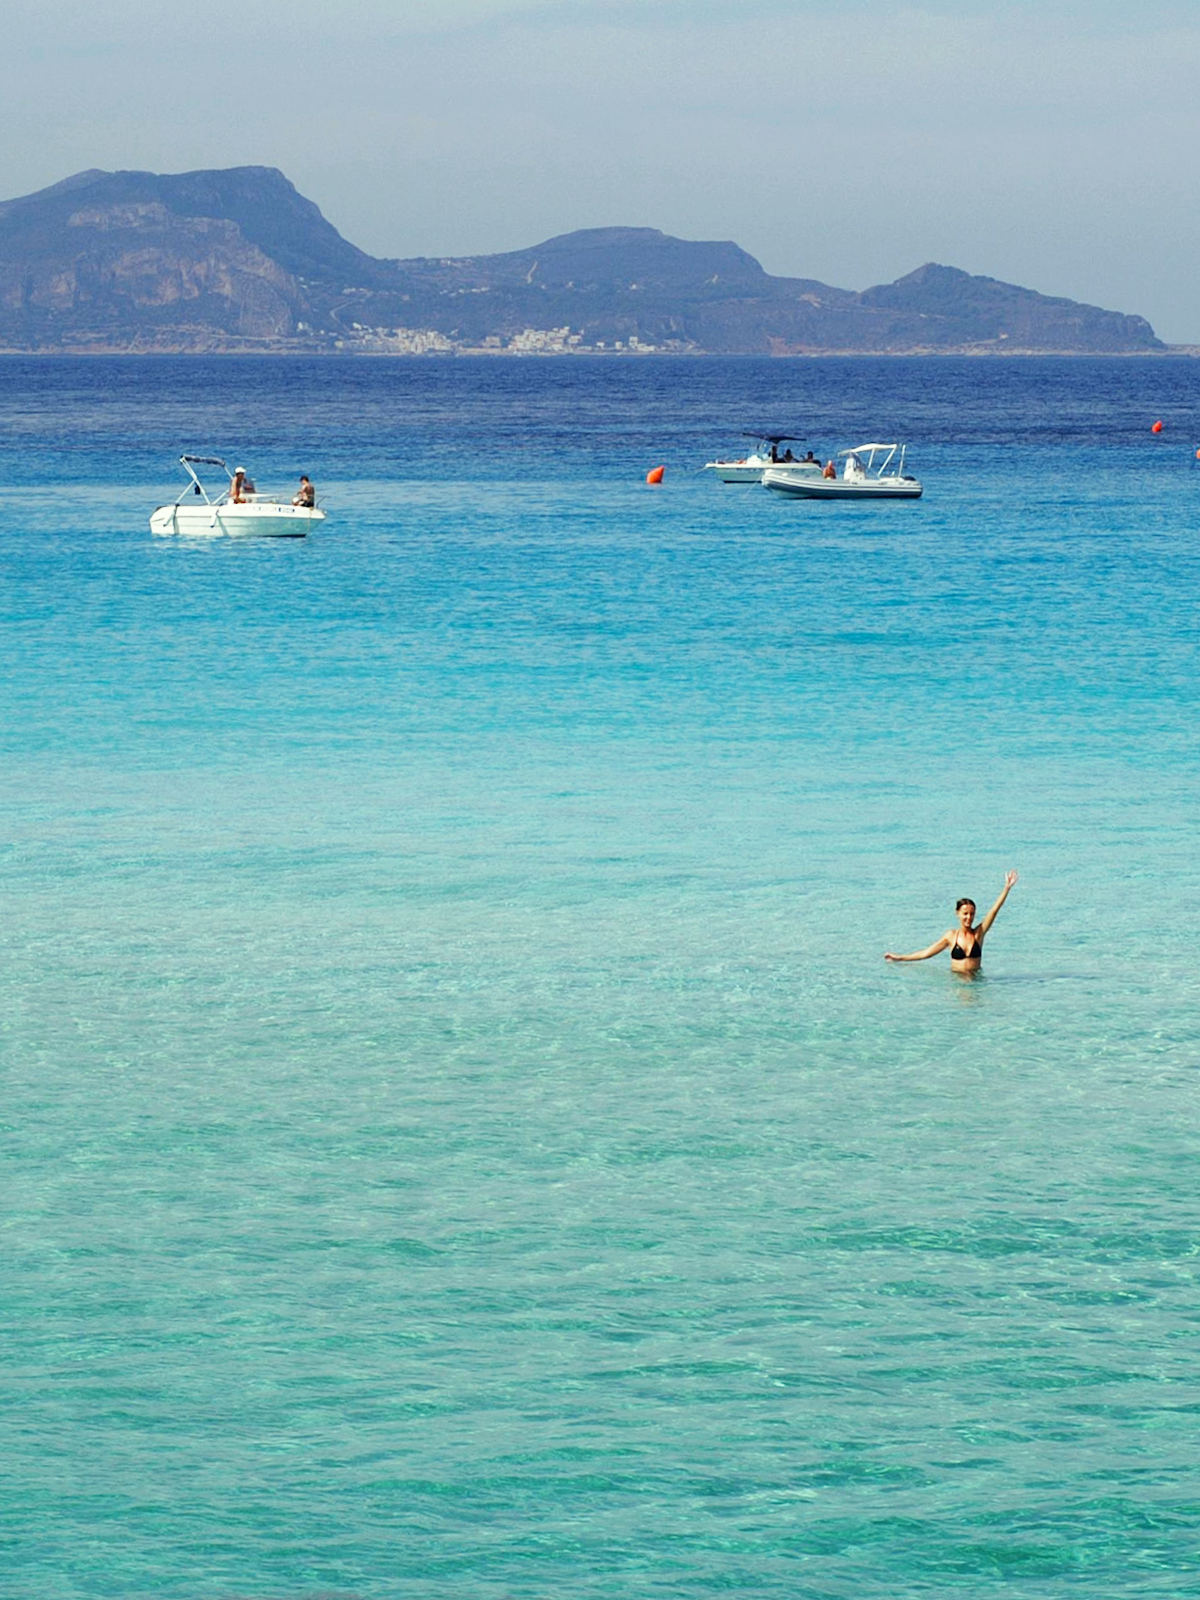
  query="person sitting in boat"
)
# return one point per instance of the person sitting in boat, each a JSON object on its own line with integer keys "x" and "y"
{"x": 810, "y": 460}
{"x": 306, "y": 494}
{"x": 243, "y": 487}
{"x": 787, "y": 454}
{"x": 830, "y": 471}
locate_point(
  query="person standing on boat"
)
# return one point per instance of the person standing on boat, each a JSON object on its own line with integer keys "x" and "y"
{"x": 965, "y": 941}
{"x": 306, "y": 494}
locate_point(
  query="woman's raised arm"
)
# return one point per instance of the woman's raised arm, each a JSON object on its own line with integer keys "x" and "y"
{"x": 922, "y": 955}
{"x": 1009, "y": 879}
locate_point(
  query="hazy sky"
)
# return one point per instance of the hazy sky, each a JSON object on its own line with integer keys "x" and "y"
{"x": 1052, "y": 145}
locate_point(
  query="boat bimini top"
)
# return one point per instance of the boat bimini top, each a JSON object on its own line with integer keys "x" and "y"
{"x": 872, "y": 450}
{"x": 189, "y": 465}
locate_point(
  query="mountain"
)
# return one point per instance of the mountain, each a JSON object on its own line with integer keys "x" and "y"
{"x": 239, "y": 260}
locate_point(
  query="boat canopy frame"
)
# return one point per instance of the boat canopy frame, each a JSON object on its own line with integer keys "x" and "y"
{"x": 872, "y": 450}
{"x": 196, "y": 487}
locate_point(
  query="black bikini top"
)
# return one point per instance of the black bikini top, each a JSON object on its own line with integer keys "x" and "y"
{"x": 975, "y": 953}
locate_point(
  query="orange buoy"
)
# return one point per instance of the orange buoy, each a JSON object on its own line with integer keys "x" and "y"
{"x": 1157, "y": 428}
{"x": 655, "y": 475}
{"x": 1198, "y": 455}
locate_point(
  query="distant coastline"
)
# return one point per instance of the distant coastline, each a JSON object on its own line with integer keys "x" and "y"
{"x": 291, "y": 351}
{"x": 236, "y": 261}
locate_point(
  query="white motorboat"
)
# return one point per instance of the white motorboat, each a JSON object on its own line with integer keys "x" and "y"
{"x": 871, "y": 472}
{"x": 236, "y": 510}
{"x": 750, "y": 468}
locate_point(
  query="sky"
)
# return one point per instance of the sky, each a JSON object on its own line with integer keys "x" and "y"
{"x": 1051, "y": 145}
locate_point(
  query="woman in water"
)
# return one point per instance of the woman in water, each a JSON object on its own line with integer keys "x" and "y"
{"x": 966, "y": 941}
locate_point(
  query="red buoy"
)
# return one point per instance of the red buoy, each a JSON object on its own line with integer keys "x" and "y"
{"x": 1157, "y": 428}
{"x": 655, "y": 475}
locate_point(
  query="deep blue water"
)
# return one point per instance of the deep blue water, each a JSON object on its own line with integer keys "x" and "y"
{"x": 460, "y": 1135}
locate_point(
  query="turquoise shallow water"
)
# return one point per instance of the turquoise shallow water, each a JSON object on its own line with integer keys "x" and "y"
{"x": 460, "y": 1134}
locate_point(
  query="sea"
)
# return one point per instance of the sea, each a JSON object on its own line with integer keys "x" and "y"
{"x": 461, "y": 1137}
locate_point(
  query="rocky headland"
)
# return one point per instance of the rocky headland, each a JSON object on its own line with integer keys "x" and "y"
{"x": 238, "y": 260}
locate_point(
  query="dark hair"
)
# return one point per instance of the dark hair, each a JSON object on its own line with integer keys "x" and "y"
{"x": 965, "y": 901}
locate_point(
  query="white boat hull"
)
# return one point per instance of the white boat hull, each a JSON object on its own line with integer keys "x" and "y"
{"x": 817, "y": 488}
{"x": 751, "y": 469}
{"x": 269, "y": 519}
